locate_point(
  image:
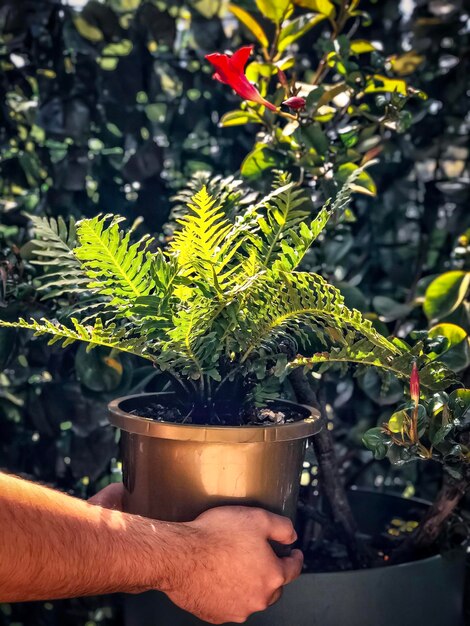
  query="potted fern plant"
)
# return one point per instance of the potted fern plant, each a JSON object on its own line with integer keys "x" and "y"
{"x": 224, "y": 312}
{"x": 230, "y": 320}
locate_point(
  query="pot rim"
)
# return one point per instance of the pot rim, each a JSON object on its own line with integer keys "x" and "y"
{"x": 135, "y": 424}
{"x": 458, "y": 553}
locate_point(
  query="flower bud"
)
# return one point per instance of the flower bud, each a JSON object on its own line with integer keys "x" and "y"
{"x": 414, "y": 384}
{"x": 296, "y": 103}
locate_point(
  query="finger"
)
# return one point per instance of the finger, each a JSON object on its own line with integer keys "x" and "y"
{"x": 280, "y": 529}
{"x": 292, "y": 566}
{"x": 276, "y": 596}
{"x": 110, "y": 497}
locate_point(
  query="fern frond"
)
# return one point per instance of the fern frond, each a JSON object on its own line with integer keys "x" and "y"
{"x": 53, "y": 246}
{"x": 303, "y": 299}
{"x": 297, "y": 241}
{"x": 434, "y": 376}
{"x": 115, "y": 267}
{"x": 97, "y": 335}
{"x": 206, "y": 242}
{"x": 228, "y": 190}
{"x": 283, "y": 214}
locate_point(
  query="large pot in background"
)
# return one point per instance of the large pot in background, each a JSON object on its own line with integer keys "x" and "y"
{"x": 428, "y": 592}
{"x": 174, "y": 472}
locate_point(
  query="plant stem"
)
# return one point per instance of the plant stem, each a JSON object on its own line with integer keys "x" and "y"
{"x": 330, "y": 477}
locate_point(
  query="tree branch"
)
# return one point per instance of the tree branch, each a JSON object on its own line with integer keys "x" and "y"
{"x": 433, "y": 523}
{"x": 331, "y": 481}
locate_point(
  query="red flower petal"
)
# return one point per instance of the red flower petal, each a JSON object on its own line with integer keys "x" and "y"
{"x": 240, "y": 57}
{"x": 230, "y": 71}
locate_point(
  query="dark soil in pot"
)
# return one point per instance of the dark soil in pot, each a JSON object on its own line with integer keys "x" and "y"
{"x": 218, "y": 414}
{"x": 272, "y": 413}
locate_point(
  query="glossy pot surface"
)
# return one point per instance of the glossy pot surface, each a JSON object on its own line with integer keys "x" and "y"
{"x": 174, "y": 472}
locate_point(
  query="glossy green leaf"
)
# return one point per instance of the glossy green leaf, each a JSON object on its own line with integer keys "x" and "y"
{"x": 389, "y": 309}
{"x": 314, "y": 136}
{"x": 97, "y": 370}
{"x": 459, "y": 404}
{"x": 238, "y": 118}
{"x": 445, "y": 294}
{"x": 376, "y": 441}
{"x": 259, "y": 160}
{"x": 250, "y": 22}
{"x": 364, "y": 182}
{"x": 298, "y": 28}
{"x": 275, "y": 10}
{"x": 326, "y": 7}
{"x": 361, "y": 46}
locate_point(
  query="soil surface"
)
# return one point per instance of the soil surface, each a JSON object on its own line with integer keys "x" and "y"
{"x": 253, "y": 416}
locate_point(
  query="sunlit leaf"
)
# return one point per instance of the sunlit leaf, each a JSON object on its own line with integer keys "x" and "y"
{"x": 361, "y": 46}
{"x": 453, "y": 333}
{"x": 275, "y": 10}
{"x": 258, "y": 160}
{"x": 407, "y": 63}
{"x": 298, "y": 28}
{"x": 237, "y": 118}
{"x": 382, "y": 84}
{"x": 364, "y": 182}
{"x": 250, "y": 22}
{"x": 123, "y": 48}
{"x": 445, "y": 294}
{"x": 90, "y": 32}
{"x": 397, "y": 421}
{"x": 326, "y": 7}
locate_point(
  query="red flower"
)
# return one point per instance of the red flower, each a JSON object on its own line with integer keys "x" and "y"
{"x": 414, "y": 384}
{"x": 296, "y": 103}
{"x": 230, "y": 70}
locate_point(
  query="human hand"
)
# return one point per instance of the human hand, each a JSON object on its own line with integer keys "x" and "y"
{"x": 231, "y": 570}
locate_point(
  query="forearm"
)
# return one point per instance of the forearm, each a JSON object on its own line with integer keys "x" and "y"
{"x": 54, "y": 546}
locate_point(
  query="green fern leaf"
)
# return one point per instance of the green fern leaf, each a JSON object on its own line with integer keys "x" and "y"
{"x": 206, "y": 243}
{"x": 53, "y": 250}
{"x": 434, "y": 376}
{"x": 115, "y": 267}
{"x": 302, "y": 300}
{"x": 109, "y": 336}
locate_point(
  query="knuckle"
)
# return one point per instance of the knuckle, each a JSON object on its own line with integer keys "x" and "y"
{"x": 277, "y": 580}
{"x": 262, "y": 606}
{"x": 260, "y": 516}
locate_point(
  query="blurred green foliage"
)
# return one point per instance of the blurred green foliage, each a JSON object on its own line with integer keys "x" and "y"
{"x": 111, "y": 107}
